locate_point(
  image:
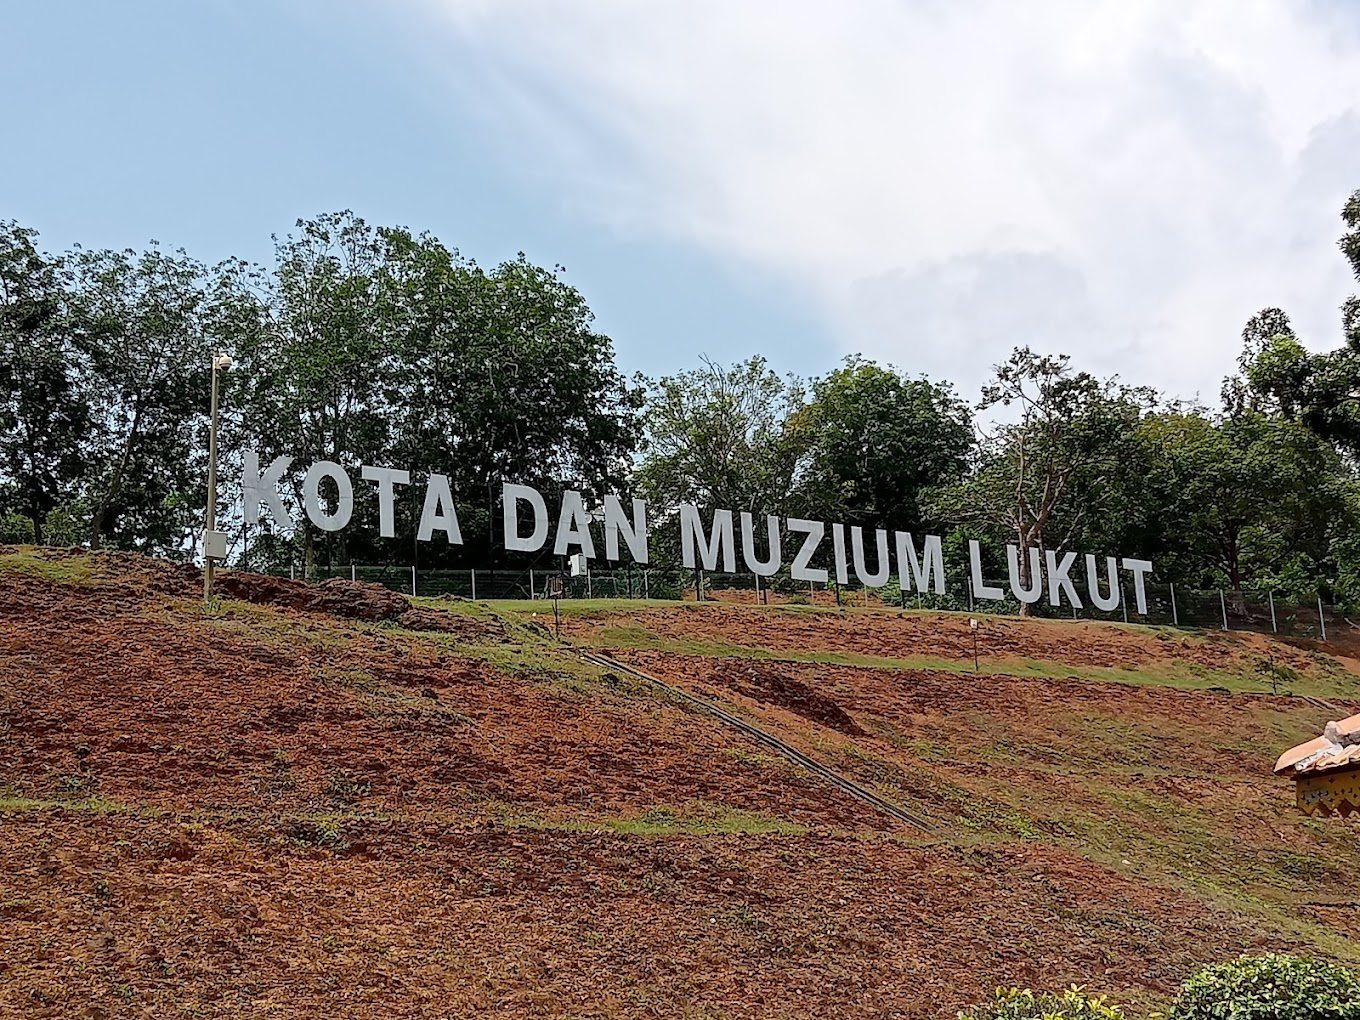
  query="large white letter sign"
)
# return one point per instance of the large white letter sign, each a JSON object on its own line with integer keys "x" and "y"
{"x": 511, "y": 497}
{"x": 930, "y": 564}
{"x": 439, "y": 512}
{"x": 259, "y": 488}
{"x": 1036, "y": 577}
{"x": 722, "y": 540}
{"x": 981, "y": 588}
{"x": 767, "y": 568}
{"x": 386, "y": 478}
{"x": 1058, "y": 581}
{"x": 814, "y": 530}
{"x": 1139, "y": 568}
{"x": 311, "y": 495}
{"x": 880, "y": 576}
{"x": 1093, "y": 583}
{"x": 573, "y": 526}
{"x": 634, "y": 533}
{"x": 838, "y": 554}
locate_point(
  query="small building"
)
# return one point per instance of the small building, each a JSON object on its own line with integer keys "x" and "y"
{"x": 1326, "y": 770}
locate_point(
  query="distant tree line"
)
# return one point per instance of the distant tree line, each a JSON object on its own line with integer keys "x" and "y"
{"x": 382, "y": 346}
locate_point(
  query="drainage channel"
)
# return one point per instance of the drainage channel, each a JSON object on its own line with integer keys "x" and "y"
{"x": 770, "y": 740}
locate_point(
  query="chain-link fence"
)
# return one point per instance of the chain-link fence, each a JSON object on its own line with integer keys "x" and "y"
{"x": 1164, "y": 604}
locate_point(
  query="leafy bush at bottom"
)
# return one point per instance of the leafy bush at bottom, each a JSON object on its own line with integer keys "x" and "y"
{"x": 1270, "y": 987}
{"x": 1023, "y": 1004}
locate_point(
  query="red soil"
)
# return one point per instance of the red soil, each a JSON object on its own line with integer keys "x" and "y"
{"x": 325, "y": 817}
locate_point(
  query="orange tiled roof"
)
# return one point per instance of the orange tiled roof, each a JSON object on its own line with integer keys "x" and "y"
{"x": 1338, "y": 747}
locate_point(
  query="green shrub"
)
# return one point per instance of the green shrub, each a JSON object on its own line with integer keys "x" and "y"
{"x": 1022, "y": 1004}
{"x": 16, "y": 529}
{"x": 1270, "y": 987}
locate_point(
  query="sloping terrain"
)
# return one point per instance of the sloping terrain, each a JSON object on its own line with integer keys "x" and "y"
{"x": 305, "y": 802}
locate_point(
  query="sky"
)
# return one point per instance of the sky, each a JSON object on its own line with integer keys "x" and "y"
{"x": 929, "y": 183}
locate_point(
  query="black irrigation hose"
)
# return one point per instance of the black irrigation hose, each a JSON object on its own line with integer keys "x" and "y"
{"x": 770, "y": 740}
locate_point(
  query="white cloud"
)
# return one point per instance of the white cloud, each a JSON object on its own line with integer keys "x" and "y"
{"x": 1123, "y": 182}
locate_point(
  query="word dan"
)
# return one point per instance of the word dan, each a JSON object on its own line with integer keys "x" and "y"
{"x": 526, "y": 523}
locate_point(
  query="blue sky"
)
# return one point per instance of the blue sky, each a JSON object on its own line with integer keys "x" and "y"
{"x": 928, "y": 184}
{"x": 213, "y": 125}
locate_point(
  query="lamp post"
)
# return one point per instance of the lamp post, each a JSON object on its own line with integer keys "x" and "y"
{"x": 214, "y": 541}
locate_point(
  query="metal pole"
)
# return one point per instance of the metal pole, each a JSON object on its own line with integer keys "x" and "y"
{"x": 1322, "y": 620}
{"x": 646, "y": 584}
{"x": 1273, "y": 629}
{"x": 1123, "y": 603}
{"x": 970, "y": 594}
{"x": 1175, "y": 617}
{"x": 590, "y": 592}
{"x": 1223, "y": 604}
{"x": 533, "y": 593}
{"x": 413, "y": 579}
{"x": 208, "y": 562}
{"x": 757, "y": 589}
{"x": 473, "y": 574}
{"x": 351, "y": 572}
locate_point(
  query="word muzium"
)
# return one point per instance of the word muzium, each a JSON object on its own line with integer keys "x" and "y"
{"x": 527, "y": 523}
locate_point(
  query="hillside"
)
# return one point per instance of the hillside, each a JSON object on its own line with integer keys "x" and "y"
{"x": 273, "y": 806}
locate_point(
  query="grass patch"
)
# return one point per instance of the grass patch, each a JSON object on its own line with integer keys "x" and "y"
{"x": 28, "y": 561}
{"x": 695, "y": 819}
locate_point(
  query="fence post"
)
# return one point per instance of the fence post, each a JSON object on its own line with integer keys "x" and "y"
{"x": 1322, "y": 620}
{"x": 1273, "y": 629}
{"x": 473, "y": 574}
{"x": 351, "y": 572}
{"x": 413, "y": 579}
{"x": 1223, "y": 605}
{"x": 1175, "y": 617}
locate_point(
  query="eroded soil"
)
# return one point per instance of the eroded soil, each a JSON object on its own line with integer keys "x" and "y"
{"x": 302, "y": 803}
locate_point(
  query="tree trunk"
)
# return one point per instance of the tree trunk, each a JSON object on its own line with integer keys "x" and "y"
{"x": 115, "y": 483}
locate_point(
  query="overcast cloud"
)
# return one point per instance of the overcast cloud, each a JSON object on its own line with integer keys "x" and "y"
{"x": 1125, "y": 182}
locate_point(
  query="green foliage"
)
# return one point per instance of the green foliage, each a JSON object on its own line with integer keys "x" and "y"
{"x": 1023, "y": 1004}
{"x": 723, "y": 437}
{"x": 16, "y": 529}
{"x": 67, "y": 523}
{"x": 876, "y": 441}
{"x": 1270, "y": 987}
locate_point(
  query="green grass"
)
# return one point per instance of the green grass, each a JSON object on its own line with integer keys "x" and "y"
{"x": 695, "y": 819}
{"x": 1181, "y": 675}
{"x": 30, "y": 562}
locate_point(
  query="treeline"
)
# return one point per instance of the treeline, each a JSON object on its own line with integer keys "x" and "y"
{"x": 382, "y": 346}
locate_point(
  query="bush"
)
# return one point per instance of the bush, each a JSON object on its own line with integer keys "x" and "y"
{"x": 1270, "y": 987}
{"x": 16, "y": 529}
{"x": 1022, "y": 1004}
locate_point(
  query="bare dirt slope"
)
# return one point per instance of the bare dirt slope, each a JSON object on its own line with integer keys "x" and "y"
{"x": 301, "y": 803}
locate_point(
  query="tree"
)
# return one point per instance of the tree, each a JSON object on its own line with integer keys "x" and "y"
{"x": 142, "y": 324}
{"x": 876, "y": 441}
{"x": 1280, "y": 376}
{"x": 316, "y": 342}
{"x": 1248, "y": 500}
{"x": 373, "y": 344}
{"x": 1054, "y": 475}
{"x": 724, "y": 437}
{"x": 44, "y": 415}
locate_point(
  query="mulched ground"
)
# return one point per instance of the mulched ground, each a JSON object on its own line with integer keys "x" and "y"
{"x": 302, "y": 813}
